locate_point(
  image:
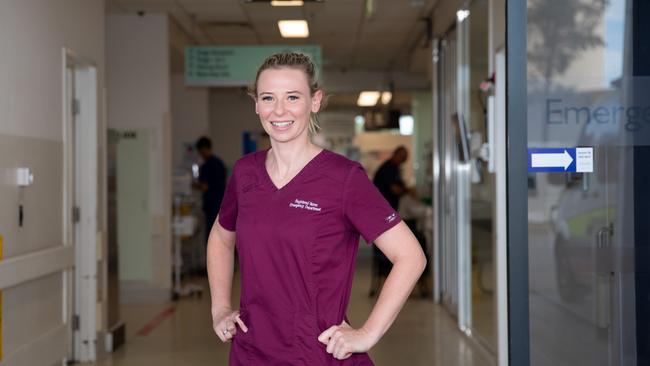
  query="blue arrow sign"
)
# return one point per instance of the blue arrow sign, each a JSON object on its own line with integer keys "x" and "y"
{"x": 551, "y": 160}
{"x": 564, "y": 159}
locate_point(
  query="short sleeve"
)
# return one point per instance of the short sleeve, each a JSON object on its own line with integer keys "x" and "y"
{"x": 365, "y": 208}
{"x": 228, "y": 210}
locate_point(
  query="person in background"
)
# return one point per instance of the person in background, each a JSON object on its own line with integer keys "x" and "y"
{"x": 212, "y": 182}
{"x": 388, "y": 180}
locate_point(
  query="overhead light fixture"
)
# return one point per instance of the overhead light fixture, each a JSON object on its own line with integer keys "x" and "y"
{"x": 287, "y": 3}
{"x": 368, "y": 98}
{"x": 386, "y": 97}
{"x": 283, "y": 2}
{"x": 462, "y": 15}
{"x": 293, "y": 28}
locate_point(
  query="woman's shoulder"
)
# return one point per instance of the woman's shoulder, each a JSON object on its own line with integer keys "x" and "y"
{"x": 246, "y": 168}
{"x": 337, "y": 166}
{"x": 249, "y": 160}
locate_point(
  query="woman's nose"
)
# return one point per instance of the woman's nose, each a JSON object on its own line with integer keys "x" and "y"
{"x": 279, "y": 108}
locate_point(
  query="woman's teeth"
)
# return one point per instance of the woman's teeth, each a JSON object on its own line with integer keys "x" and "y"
{"x": 281, "y": 124}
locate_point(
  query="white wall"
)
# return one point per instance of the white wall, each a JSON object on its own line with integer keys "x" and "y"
{"x": 139, "y": 99}
{"x": 32, "y": 36}
{"x": 190, "y": 116}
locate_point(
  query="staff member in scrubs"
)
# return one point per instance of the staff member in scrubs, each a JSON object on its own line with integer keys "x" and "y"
{"x": 295, "y": 213}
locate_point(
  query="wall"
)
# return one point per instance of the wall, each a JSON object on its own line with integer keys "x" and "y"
{"x": 139, "y": 100}
{"x": 232, "y": 112}
{"x": 190, "y": 116}
{"x": 32, "y": 36}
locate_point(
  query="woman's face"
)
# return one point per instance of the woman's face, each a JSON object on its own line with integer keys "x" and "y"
{"x": 284, "y": 103}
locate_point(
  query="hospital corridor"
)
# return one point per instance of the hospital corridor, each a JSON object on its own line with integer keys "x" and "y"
{"x": 324, "y": 182}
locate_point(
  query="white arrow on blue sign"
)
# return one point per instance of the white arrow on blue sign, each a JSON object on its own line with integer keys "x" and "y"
{"x": 569, "y": 159}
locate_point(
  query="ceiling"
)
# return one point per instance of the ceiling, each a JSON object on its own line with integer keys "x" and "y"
{"x": 392, "y": 39}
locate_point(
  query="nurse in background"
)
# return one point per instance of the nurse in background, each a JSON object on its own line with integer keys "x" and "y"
{"x": 295, "y": 213}
{"x": 212, "y": 182}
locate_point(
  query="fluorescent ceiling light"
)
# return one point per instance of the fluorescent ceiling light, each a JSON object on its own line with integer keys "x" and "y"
{"x": 287, "y": 3}
{"x": 386, "y": 97}
{"x": 462, "y": 15}
{"x": 293, "y": 28}
{"x": 368, "y": 98}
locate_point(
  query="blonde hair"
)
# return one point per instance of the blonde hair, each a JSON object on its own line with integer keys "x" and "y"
{"x": 293, "y": 60}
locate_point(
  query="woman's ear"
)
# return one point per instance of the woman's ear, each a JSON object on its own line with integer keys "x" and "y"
{"x": 316, "y": 101}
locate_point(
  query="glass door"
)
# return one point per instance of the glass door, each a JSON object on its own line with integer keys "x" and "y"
{"x": 588, "y": 116}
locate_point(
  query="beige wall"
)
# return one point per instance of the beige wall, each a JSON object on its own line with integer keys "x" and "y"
{"x": 190, "y": 116}
{"x": 33, "y": 34}
{"x": 232, "y": 112}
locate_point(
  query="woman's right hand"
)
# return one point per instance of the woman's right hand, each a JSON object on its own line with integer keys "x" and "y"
{"x": 224, "y": 323}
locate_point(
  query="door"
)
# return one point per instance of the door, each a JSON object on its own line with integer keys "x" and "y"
{"x": 587, "y": 92}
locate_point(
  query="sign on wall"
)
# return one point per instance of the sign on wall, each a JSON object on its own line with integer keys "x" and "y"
{"x": 234, "y": 65}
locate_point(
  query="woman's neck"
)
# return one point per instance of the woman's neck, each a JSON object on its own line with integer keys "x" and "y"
{"x": 284, "y": 159}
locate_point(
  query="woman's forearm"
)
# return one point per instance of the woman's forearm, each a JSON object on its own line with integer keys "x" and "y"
{"x": 220, "y": 265}
{"x": 395, "y": 292}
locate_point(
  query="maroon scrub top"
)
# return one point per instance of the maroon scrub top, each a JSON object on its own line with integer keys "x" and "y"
{"x": 297, "y": 247}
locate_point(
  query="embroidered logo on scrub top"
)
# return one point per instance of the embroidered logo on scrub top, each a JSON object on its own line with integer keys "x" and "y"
{"x": 305, "y": 205}
{"x": 391, "y": 218}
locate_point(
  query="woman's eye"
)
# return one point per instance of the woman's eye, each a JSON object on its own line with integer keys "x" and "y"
{"x": 293, "y": 97}
{"x": 267, "y": 98}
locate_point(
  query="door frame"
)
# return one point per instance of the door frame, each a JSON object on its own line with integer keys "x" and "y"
{"x": 81, "y": 126}
{"x": 517, "y": 182}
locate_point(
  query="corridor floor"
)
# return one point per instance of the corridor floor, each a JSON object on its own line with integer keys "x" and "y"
{"x": 423, "y": 334}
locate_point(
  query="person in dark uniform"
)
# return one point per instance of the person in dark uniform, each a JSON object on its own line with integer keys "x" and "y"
{"x": 212, "y": 182}
{"x": 388, "y": 180}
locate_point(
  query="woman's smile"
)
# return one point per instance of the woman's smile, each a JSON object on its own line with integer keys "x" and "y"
{"x": 282, "y": 125}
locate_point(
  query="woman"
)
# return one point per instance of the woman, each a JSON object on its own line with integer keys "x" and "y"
{"x": 296, "y": 212}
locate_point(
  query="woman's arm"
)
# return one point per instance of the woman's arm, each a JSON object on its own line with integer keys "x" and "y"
{"x": 220, "y": 263}
{"x": 402, "y": 248}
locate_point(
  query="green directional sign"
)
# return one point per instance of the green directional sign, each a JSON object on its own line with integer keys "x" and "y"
{"x": 234, "y": 65}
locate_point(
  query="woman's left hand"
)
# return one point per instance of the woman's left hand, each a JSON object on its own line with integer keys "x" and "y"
{"x": 343, "y": 340}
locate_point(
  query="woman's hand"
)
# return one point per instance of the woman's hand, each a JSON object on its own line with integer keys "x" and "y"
{"x": 343, "y": 340}
{"x": 224, "y": 323}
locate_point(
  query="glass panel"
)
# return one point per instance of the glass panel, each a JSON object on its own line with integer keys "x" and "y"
{"x": 582, "y": 92}
{"x": 482, "y": 193}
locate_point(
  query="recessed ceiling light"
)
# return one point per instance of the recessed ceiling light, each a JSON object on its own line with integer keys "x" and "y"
{"x": 283, "y": 1}
{"x": 386, "y": 97}
{"x": 368, "y": 98}
{"x": 287, "y": 3}
{"x": 293, "y": 28}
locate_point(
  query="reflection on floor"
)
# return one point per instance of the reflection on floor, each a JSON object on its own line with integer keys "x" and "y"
{"x": 484, "y": 315}
{"x": 423, "y": 334}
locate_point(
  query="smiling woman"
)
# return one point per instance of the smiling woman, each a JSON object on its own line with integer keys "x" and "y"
{"x": 296, "y": 212}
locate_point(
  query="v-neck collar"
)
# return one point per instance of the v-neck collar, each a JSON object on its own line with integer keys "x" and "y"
{"x": 305, "y": 169}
